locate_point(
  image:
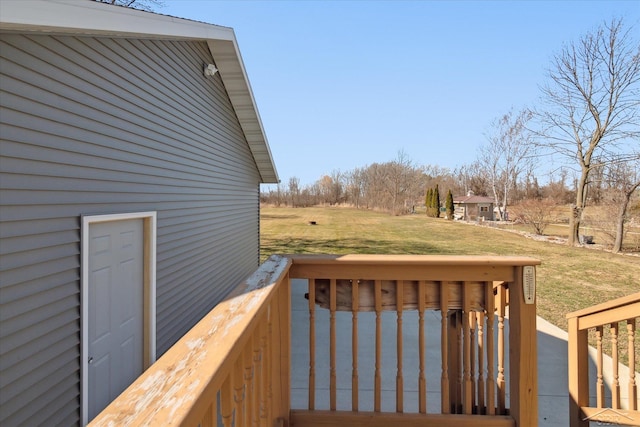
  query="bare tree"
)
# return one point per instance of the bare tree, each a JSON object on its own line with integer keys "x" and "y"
{"x": 472, "y": 179}
{"x": 355, "y": 184}
{"x": 535, "y": 212}
{"x": 592, "y": 104}
{"x": 399, "y": 183}
{"x": 530, "y": 188}
{"x": 557, "y": 190}
{"x": 337, "y": 189}
{"x": 624, "y": 180}
{"x": 331, "y": 188}
{"x": 508, "y": 153}
{"x": 325, "y": 189}
{"x": 294, "y": 191}
{"x": 433, "y": 175}
{"x": 274, "y": 196}
{"x": 375, "y": 176}
{"x": 148, "y": 5}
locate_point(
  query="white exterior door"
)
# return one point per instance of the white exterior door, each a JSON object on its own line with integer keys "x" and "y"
{"x": 115, "y": 309}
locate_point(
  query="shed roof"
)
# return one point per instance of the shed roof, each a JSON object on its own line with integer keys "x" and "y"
{"x": 472, "y": 199}
{"x": 90, "y": 18}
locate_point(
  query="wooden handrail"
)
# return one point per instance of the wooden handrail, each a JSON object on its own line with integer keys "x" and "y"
{"x": 409, "y": 267}
{"x": 422, "y": 260}
{"x": 234, "y": 366}
{"x": 181, "y": 388}
{"x": 607, "y": 307}
{"x": 608, "y": 315}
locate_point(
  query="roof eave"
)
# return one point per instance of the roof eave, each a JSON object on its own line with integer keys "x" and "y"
{"x": 233, "y": 74}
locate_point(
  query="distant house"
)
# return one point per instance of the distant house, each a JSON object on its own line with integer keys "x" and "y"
{"x": 473, "y": 208}
{"x": 132, "y": 154}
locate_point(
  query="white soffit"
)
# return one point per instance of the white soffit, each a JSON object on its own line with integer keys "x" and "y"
{"x": 90, "y": 18}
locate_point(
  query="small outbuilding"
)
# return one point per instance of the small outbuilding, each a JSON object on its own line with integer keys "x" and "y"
{"x": 473, "y": 208}
{"x": 132, "y": 155}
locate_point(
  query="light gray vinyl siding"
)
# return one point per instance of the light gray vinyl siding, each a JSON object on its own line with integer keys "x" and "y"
{"x": 100, "y": 126}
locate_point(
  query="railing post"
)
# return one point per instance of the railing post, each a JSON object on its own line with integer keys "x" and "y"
{"x": 522, "y": 355}
{"x": 281, "y": 352}
{"x": 578, "y": 367}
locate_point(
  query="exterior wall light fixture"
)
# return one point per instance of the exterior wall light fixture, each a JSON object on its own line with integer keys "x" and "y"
{"x": 210, "y": 70}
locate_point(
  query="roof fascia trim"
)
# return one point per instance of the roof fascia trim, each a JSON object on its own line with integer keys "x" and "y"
{"x": 93, "y": 18}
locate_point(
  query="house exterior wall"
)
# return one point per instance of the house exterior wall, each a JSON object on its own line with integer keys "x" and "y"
{"x": 474, "y": 211}
{"x": 485, "y": 211}
{"x": 101, "y": 126}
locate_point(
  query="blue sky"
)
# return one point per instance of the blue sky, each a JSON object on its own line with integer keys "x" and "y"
{"x": 343, "y": 84}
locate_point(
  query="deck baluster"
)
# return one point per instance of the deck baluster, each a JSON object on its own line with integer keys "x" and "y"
{"x": 459, "y": 360}
{"x": 210, "y": 415}
{"x": 248, "y": 383}
{"x": 332, "y": 344}
{"x": 491, "y": 389}
{"x": 500, "y": 380}
{"x": 270, "y": 358}
{"x": 633, "y": 387}
{"x": 444, "y": 347}
{"x": 467, "y": 387}
{"x": 599, "y": 369}
{"x": 377, "y": 393}
{"x": 473, "y": 350}
{"x": 422, "y": 381}
{"x": 355, "y": 306}
{"x": 399, "y": 376}
{"x": 226, "y": 397}
{"x": 263, "y": 374}
{"x": 481, "y": 404}
{"x": 238, "y": 392}
{"x": 312, "y": 344}
{"x": 615, "y": 387}
{"x": 455, "y": 360}
{"x": 257, "y": 378}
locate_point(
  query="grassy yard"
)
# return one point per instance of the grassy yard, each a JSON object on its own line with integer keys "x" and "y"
{"x": 568, "y": 279}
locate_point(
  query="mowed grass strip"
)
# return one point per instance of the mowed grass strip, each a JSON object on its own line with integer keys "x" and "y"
{"x": 568, "y": 279}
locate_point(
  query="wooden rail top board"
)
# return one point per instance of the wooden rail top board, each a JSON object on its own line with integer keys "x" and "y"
{"x": 476, "y": 293}
{"x": 447, "y": 268}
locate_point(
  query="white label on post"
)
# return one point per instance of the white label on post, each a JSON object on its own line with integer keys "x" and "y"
{"x": 529, "y": 284}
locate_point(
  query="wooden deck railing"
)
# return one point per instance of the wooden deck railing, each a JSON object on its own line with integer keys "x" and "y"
{"x": 609, "y": 315}
{"x": 234, "y": 368}
{"x": 471, "y": 294}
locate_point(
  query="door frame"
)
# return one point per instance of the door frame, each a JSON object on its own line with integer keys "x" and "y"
{"x": 149, "y": 295}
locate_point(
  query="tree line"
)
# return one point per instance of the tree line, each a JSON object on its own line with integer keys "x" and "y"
{"x": 402, "y": 187}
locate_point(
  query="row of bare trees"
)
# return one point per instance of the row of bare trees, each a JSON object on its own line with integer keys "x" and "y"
{"x": 396, "y": 186}
{"x": 399, "y": 187}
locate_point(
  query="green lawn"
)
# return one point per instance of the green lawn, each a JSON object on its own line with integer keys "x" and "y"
{"x": 568, "y": 279}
